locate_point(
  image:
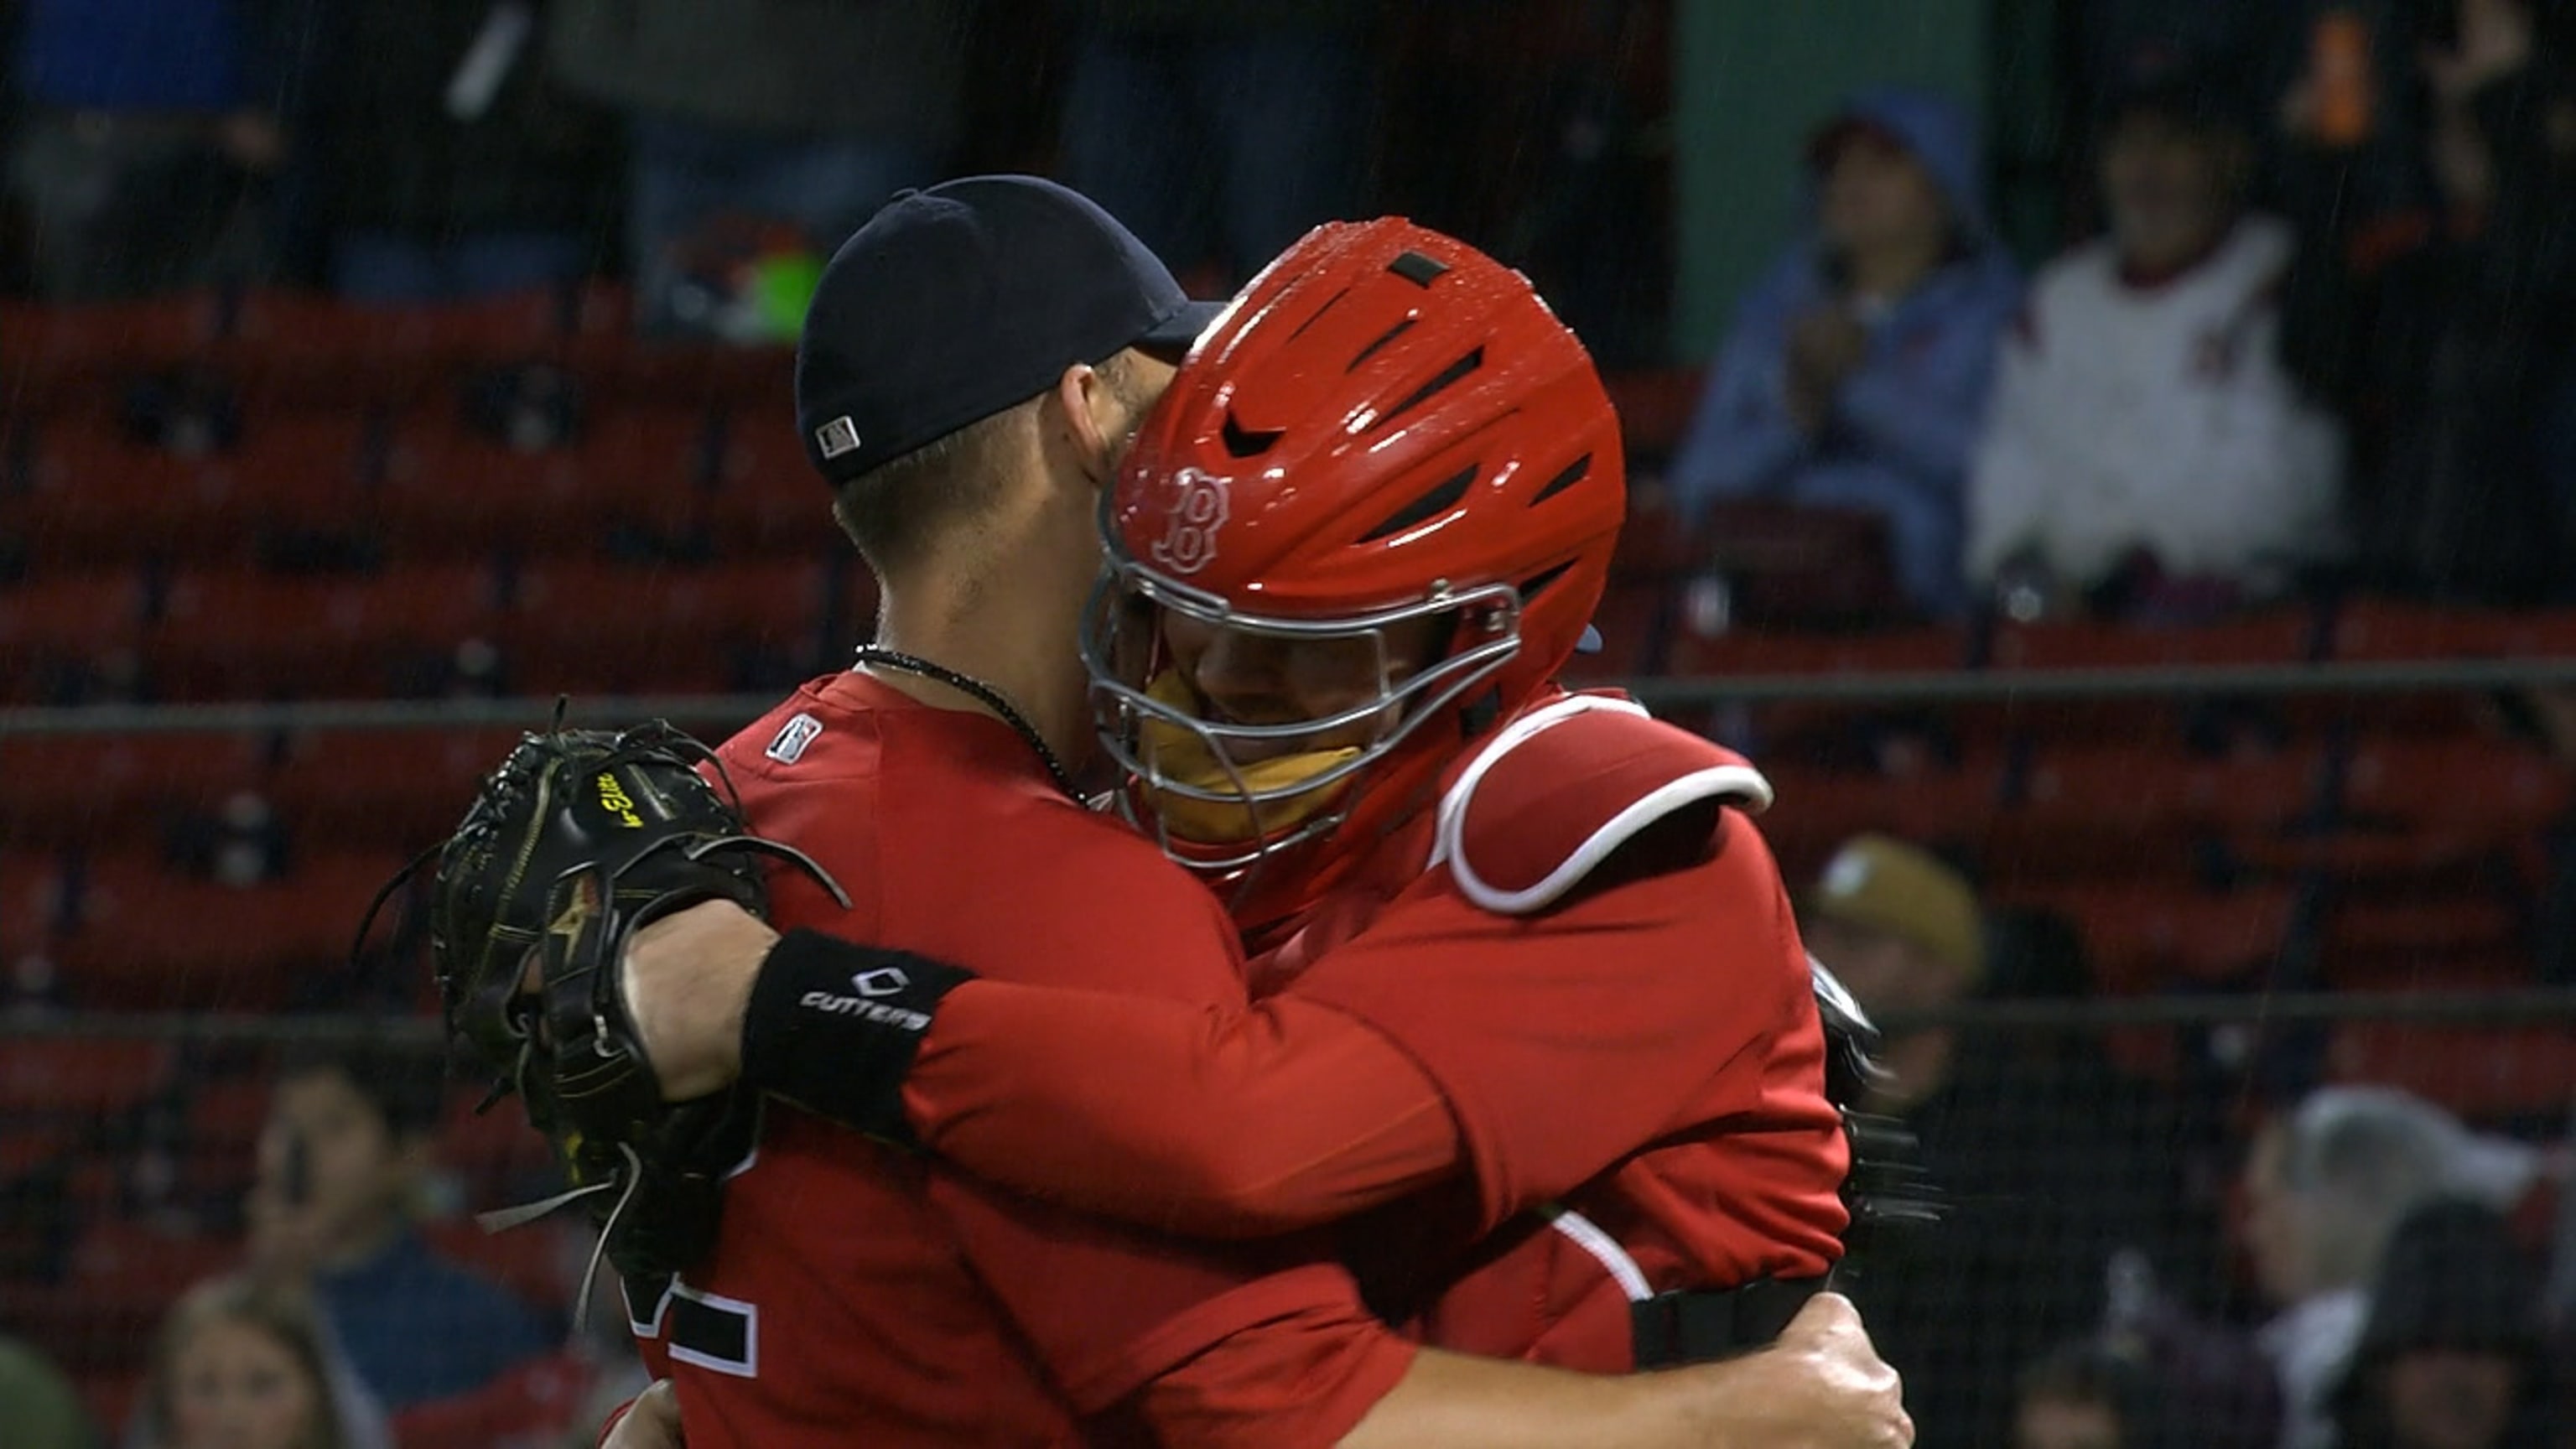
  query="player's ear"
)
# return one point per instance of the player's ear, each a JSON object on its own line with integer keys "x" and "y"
{"x": 1092, "y": 418}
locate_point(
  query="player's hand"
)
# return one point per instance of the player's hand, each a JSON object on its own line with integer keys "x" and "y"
{"x": 1820, "y": 1386}
{"x": 687, "y": 979}
{"x": 653, "y": 1422}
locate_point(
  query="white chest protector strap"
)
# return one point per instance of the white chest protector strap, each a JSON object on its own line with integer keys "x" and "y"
{"x": 1738, "y": 783}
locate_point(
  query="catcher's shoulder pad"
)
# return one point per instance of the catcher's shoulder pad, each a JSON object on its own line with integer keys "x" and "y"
{"x": 1560, "y": 788}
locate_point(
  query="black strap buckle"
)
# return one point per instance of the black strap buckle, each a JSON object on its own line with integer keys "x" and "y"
{"x": 1702, "y": 1325}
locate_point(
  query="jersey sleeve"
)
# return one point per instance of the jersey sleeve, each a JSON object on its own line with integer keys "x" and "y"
{"x": 1208, "y": 1120}
{"x": 1563, "y": 1041}
{"x": 1113, "y": 1312}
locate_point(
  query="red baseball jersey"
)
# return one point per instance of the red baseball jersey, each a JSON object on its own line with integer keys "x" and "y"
{"x": 1620, "y": 1068}
{"x": 858, "y": 1294}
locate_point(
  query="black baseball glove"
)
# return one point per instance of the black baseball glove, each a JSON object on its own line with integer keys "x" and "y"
{"x": 578, "y": 839}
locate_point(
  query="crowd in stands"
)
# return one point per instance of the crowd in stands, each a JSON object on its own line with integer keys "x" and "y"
{"x": 2316, "y": 351}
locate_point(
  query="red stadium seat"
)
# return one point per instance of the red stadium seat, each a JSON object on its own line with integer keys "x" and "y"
{"x": 69, "y": 614}
{"x": 446, "y": 489}
{"x": 80, "y": 1078}
{"x": 1753, "y": 651}
{"x": 95, "y": 498}
{"x": 2383, "y": 629}
{"x": 618, "y": 628}
{"x": 2493, "y": 789}
{"x": 2143, "y": 938}
{"x": 51, "y": 354}
{"x": 1630, "y": 618}
{"x": 2481, "y": 1073}
{"x": 241, "y": 632}
{"x": 2080, "y": 788}
{"x": 1655, "y": 407}
{"x": 392, "y": 790}
{"x": 767, "y": 496}
{"x": 302, "y": 472}
{"x": 149, "y": 940}
{"x": 99, "y": 787}
{"x": 2280, "y": 637}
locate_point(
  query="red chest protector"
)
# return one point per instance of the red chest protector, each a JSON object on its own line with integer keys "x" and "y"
{"x": 1563, "y": 786}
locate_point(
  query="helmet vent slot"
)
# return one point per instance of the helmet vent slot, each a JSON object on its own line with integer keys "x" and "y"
{"x": 1427, "y": 507}
{"x": 1574, "y": 473}
{"x": 1418, "y": 269}
{"x": 1242, "y": 442}
{"x": 1392, "y": 333}
{"x": 1530, "y": 589}
{"x": 1448, "y": 375}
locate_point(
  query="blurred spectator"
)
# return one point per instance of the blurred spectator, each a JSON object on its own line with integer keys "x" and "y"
{"x": 1220, "y": 130}
{"x": 2143, "y": 432}
{"x": 243, "y": 1364}
{"x": 2052, "y": 1162}
{"x": 146, "y": 129}
{"x": 2325, "y": 1186}
{"x": 2085, "y": 1398}
{"x": 2453, "y": 1355}
{"x": 450, "y": 164}
{"x": 38, "y": 1404}
{"x": 2434, "y": 301}
{"x": 342, "y": 1162}
{"x": 2171, "y": 1384}
{"x": 761, "y": 134}
{"x": 1857, "y": 370}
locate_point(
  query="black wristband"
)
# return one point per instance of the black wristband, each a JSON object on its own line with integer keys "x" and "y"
{"x": 833, "y": 1027}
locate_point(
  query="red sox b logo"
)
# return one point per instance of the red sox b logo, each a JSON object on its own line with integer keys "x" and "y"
{"x": 1197, "y": 511}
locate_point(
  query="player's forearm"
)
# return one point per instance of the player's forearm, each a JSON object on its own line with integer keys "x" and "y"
{"x": 1450, "y": 1401}
{"x": 1181, "y": 1117}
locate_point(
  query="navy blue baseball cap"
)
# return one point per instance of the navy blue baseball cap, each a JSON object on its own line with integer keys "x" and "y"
{"x": 955, "y": 303}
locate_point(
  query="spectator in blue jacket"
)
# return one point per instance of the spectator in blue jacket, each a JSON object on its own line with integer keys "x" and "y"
{"x": 1857, "y": 370}
{"x": 342, "y": 1166}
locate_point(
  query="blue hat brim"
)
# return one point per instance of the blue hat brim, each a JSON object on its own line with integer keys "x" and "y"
{"x": 1175, "y": 333}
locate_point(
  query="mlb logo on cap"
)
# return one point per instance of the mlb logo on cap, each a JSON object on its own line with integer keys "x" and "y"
{"x": 836, "y": 437}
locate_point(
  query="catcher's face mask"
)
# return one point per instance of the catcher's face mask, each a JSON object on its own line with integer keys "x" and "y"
{"x": 1243, "y": 735}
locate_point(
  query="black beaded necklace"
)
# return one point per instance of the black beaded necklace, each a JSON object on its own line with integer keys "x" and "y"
{"x": 983, "y": 694}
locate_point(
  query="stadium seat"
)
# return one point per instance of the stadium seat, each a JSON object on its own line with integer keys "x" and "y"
{"x": 767, "y": 496}
{"x": 2373, "y": 926}
{"x": 70, "y": 614}
{"x": 1631, "y": 617}
{"x": 383, "y": 790}
{"x": 2086, "y": 788}
{"x": 2145, "y": 938}
{"x": 2485, "y": 1074}
{"x": 149, "y": 940}
{"x": 244, "y": 633}
{"x": 2497, "y": 790}
{"x": 2386, "y": 630}
{"x": 1814, "y": 811}
{"x": 80, "y": 1079}
{"x": 448, "y": 490}
{"x": 104, "y": 788}
{"x": 620, "y": 628}
{"x": 304, "y": 473}
{"x": 50, "y": 355}
{"x": 1759, "y": 651}
{"x": 2285, "y": 636}
{"x": 95, "y": 498}
{"x": 1655, "y": 407}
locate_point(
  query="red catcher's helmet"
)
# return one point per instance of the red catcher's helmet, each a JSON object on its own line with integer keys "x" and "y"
{"x": 1387, "y": 425}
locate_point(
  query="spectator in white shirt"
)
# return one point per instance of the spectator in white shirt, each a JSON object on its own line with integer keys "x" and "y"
{"x": 2145, "y": 447}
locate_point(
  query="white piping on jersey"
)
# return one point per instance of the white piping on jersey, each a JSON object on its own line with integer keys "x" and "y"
{"x": 1742, "y": 782}
{"x": 1586, "y": 1234}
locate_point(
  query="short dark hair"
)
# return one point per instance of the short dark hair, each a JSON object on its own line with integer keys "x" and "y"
{"x": 406, "y": 1087}
{"x": 899, "y": 511}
